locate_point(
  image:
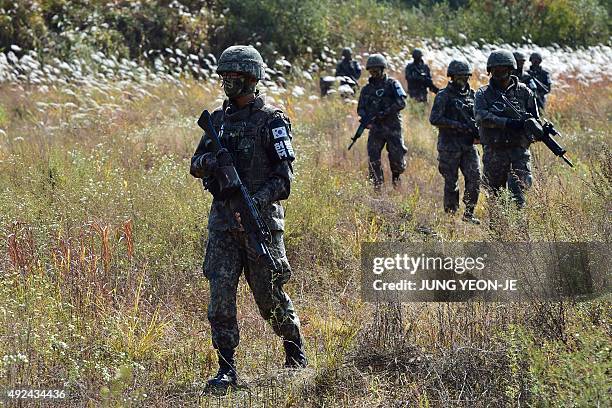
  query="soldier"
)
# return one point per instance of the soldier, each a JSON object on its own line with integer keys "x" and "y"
{"x": 453, "y": 114}
{"x": 502, "y": 134}
{"x": 541, "y": 78}
{"x": 348, "y": 67}
{"x": 257, "y": 136}
{"x": 382, "y": 99}
{"x": 519, "y": 72}
{"x": 520, "y": 59}
{"x": 418, "y": 77}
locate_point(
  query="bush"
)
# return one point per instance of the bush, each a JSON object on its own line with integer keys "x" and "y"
{"x": 287, "y": 27}
{"x": 128, "y": 28}
{"x": 567, "y": 22}
{"x": 21, "y": 23}
{"x": 121, "y": 28}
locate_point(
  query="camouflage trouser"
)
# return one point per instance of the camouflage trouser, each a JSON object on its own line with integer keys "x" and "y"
{"x": 392, "y": 138}
{"x": 541, "y": 101}
{"x": 419, "y": 95}
{"x": 508, "y": 165}
{"x": 225, "y": 259}
{"x": 449, "y": 163}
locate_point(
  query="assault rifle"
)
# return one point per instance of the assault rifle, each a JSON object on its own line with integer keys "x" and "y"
{"x": 541, "y": 130}
{"x": 231, "y": 188}
{"x": 364, "y": 122}
{"x": 469, "y": 119}
{"x": 429, "y": 82}
{"x": 538, "y": 82}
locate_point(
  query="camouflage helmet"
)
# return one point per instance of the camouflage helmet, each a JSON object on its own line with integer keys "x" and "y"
{"x": 519, "y": 56}
{"x": 347, "y": 52}
{"x": 241, "y": 58}
{"x": 535, "y": 56}
{"x": 417, "y": 52}
{"x": 501, "y": 58}
{"x": 376, "y": 61}
{"x": 458, "y": 67}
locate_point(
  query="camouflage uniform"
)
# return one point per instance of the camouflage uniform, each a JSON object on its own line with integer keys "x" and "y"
{"x": 506, "y": 151}
{"x": 545, "y": 84}
{"x": 519, "y": 72}
{"x": 418, "y": 78}
{"x": 258, "y": 138}
{"x": 385, "y": 98}
{"x": 348, "y": 67}
{"x": 266, "y": 172}
{"x": 456, "y": 149}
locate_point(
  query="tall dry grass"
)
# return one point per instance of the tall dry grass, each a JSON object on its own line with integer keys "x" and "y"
{"x": 102, "y": 233}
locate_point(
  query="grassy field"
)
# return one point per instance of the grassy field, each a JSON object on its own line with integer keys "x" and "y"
{"x": 102, "y": 233}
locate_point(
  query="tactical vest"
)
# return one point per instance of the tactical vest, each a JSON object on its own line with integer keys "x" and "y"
{"x": 418, "y": 86}
{"x": 347, "y": 68}
{"x": 518, "y": 95}
{"x": 246, "y": 137}
{"x": 541, "y": 75}
{"x": 451, "y": 137}
{"x": 377, "y": 96}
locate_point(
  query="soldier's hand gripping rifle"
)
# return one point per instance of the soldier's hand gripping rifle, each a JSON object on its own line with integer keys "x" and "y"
{"x": 538, "y": 82}
{"x": 231, "y": 188}
{"x": 425, "y": 78}
{"x": 541, "y": 130}
{"x": 469, "y": 120}
{"x": 364, "y": 122}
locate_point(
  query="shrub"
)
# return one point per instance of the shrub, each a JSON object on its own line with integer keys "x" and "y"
{"x": 287, "y": 27}
{"x": 573, "y": 23}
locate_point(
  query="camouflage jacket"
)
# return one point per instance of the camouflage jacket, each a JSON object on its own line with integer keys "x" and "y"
{"x": 258, "y": 138}
{"x": 526, "y": 79}
{"x": 349, "y": 68}
{"x": 418, "y": 78}
{"x": 456, "y": 129}
{"x": 492, "y": 114}
{"x": 385, "y": 98}
{"x": 543, "y": 77}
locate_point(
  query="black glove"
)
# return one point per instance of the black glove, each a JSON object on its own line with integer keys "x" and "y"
{"x": 515, "y": 124}
{"x": 207, "y": 163}
{"x": 223, "y": 157}
{"x": 203, "y": 164}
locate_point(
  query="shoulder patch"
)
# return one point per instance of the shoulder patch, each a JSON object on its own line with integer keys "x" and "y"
{"x": 399, "y": 90}
{"x": 280, "y": 133}
{"x": 279, "y": 128}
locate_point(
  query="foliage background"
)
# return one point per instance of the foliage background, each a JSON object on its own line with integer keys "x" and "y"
{"x": 129, "y": 28}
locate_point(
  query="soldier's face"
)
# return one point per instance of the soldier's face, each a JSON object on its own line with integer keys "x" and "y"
{"x": 501, "y": 73}
{"x": 234, "y": 84}
{"x": 461, "y": 80}
{"x": 376, "y": 72}
{"x": 535, "y": 62}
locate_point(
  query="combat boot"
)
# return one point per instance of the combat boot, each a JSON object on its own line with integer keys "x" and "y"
{"x": 226, "y": 376}
{"x": 468, "y": 216}
{"x": 294, "y": 354}
{"x": 376, "y": 174}
{"x": 396, "y": 180}
{"x": 450, "y": 210}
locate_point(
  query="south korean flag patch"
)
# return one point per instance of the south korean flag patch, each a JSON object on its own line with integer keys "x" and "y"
{"x": 280, "y": 131}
